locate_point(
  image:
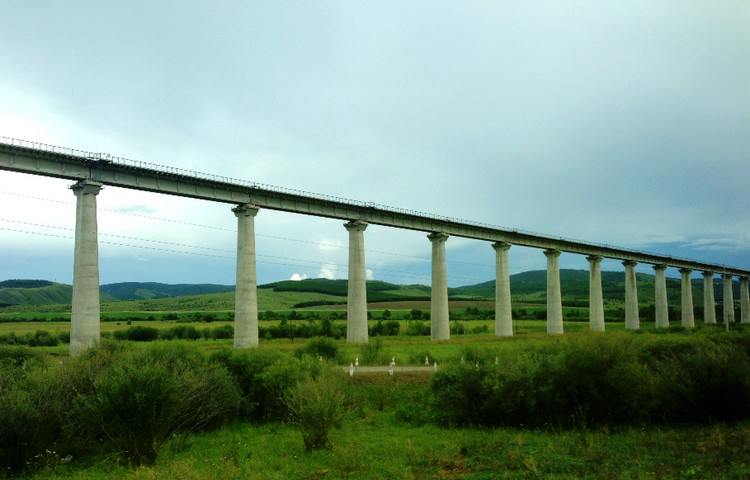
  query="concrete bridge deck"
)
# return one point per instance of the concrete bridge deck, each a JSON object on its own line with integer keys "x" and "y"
{"x": 93, "y": 170}
{"x": 47, "y": 160}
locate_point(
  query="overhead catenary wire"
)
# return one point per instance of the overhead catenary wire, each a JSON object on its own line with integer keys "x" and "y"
{"x": 315, "y": 263}
{"x": 275, "y": 237}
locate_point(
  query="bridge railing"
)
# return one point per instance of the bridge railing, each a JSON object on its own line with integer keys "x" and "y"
{"x": 100, "y": 156}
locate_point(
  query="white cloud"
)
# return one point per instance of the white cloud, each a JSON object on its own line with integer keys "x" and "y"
{"x": 368, "y": 274}
{"x": 607, "y": 127}
{"x": 328, "y": 271}
{"x": 326, "y": 245}
{"x": 297, "y": 277}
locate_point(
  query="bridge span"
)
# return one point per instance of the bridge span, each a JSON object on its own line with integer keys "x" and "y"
{"x": 91, "y": 171}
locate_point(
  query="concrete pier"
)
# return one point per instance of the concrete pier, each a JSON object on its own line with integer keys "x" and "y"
{"x": 632, "y": 321}
{"x": 709, "y": 304}
{"x": 744, "y": 300}
{"x": 356, "y": 304}
{"x": 246, "y": 293}
{"x": 84, "y": 316}
{"x": 439, "y": 324}
{"x": 503, "y": 315}
{"x": 688, "y": 317}
{"x": 596, "y": 300}
{"x": 660, "y": 296}
{"x": 728, "y": 299}
{"x": 554, "y": 295}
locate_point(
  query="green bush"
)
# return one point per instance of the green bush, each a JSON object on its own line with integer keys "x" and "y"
{"x": 417, "y": 328}
{"x": 319, "y": 347}
{"x": 142, "y": 334}
{"x": 137, "y": 399}
{"x": 710, "y": 383}
{"x": 225, "y": 331}
{"x": 32, "y": 412}
{"x": 374, "y": 353}
{"x": 40, "y": 338}
{"x": 182, "y": 332}
{"x": 593, "y": 381}
{"x": 319, "y": 404}
{"x": 261, "y": 399}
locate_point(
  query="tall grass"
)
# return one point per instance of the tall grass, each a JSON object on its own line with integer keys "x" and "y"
{"x": 594, "y": 380}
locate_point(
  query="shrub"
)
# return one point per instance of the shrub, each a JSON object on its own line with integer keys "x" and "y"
{"x": 225, "y": 331}
{"x": 136, "y": 400}
{"x": 260, "y": 396}
{"x": 142, "y": 334}
{"x": 710, "y": 383}
{"x": 319, "y": 347}
{"x": 589, "y": 382}
{"x": 318, "y": 404}
{"x": 183, "y": 332}
{"x": 31, "y": 411}
{"x": 374, "y": 353}
{"x": 594, "y": 381}
{"x": 417, "y": 328}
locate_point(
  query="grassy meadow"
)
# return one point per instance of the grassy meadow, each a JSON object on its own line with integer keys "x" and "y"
{"x": 402, "y": 426}
{"x": 166, "y": 396}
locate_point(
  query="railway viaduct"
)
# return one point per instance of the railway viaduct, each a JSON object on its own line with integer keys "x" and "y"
{"x": 91, "y": 171}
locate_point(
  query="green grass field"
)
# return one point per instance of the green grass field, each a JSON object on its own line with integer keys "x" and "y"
{"x": 378, "y": 442}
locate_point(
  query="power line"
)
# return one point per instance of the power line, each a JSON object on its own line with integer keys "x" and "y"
{"x": 299, "y": 263}
{"x": 275, "y": 237}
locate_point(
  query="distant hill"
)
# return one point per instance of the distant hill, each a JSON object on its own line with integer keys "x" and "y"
{"x": 143, "y": 291}
{"x": 43, "y": 292}
{"x": 526, "y": 287}
{"x": 46, "y": 293}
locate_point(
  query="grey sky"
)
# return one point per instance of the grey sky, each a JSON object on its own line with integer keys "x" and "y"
{"x": 624, "y": 123}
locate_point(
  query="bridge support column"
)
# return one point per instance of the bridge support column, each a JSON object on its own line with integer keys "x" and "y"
{"x": 503, "y": 315}
{"x": 554, "y": 296}
{"x": 688, "y": 318}
{"x": 660, "y": 296}
{"x": 632, "y": 322}
{"x": 728, "y": 299}
{"x": 84, "y": 316}
{"x": 246, "y": 293}
{"x": 596, "y": 300}
{"x": 744, "y": 300}
{"x": 439, "y": 324}
{"x": 356, "y": 304}
{"x": 709, "y": 304}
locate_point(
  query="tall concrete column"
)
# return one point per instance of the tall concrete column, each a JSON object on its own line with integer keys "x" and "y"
{"x": 632, "y": 322}
{"x": 439, "y": 324}
{"x": 554, "y": 296}
{"x": 503, "y": 315}
{"x": 596, "y": 300}
{"x": 84, "y": 316}
{"x": 246, "y": 293}
{"x": 744, "y": 300}
{"x": 660, "y": 296}
{"x": 728, "y": 299}
{"x": 356, "y": 304}
{"x": 688, "y": 318}
{"x": 709, "y": 303}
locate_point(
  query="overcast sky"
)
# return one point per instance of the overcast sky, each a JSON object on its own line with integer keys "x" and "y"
{"x": 621, "y": 123}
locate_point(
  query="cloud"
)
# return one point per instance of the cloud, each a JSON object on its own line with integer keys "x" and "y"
{"x": 138, "y": 209}
{"x": 326, "y": 245}
{"x": 297, "y": 277}
{"x": 607, "y": 127}
{"x": 368, "y": 274}
{"x": 328, "y": 271}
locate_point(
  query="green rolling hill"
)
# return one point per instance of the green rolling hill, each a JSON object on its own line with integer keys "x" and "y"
{"x": 527, "y": 287}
